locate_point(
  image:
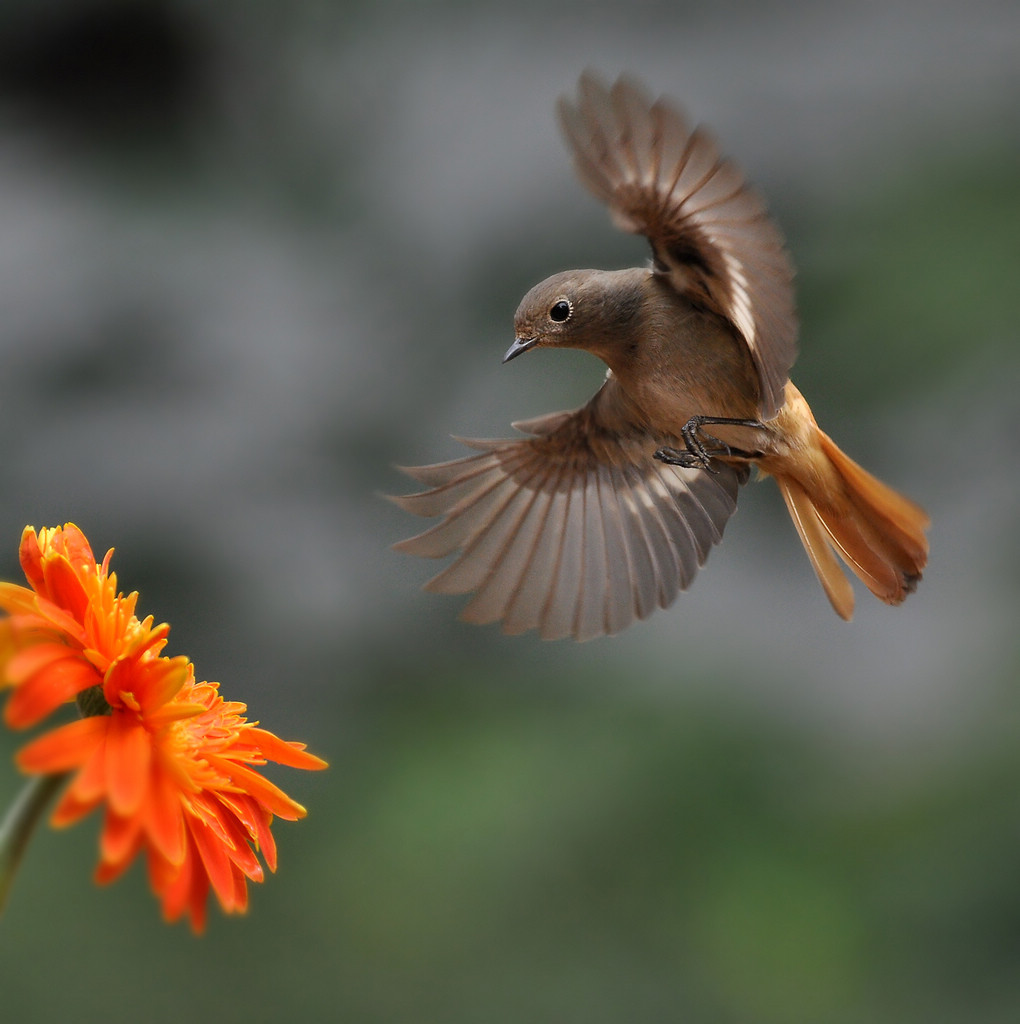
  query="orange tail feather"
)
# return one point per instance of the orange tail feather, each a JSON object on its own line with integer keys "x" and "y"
{"x": 877, "y": 532}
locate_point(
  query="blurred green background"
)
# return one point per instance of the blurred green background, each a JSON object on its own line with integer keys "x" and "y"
{"x": 254, "y": 254}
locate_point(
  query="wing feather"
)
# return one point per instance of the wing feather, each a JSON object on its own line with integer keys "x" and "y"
{"x": 559, "y": 612}
{"x": 679, "y": 533}
{"x": 710, "y": 232}
{"x": 483, "y": 549}
{"x": 534, "y": 594}
{"x": 593, "y": 592}
{"x": 496, "y": 596}
{"x": 521, "y": 611}
{"x": 621, "y": 598}
{"x": 662, "y": 549}
{"x": 574, "y": 531}
{"x": 639, "y": 551}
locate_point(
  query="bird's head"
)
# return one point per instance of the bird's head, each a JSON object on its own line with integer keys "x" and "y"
{"x": 577, "y": 309}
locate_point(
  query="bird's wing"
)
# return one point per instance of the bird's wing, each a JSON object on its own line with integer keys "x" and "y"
{"x": 710, "y": 233}
{"x": 576, "y": 530}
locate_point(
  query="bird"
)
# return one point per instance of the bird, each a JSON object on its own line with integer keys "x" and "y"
{"x": 597, "y": 516}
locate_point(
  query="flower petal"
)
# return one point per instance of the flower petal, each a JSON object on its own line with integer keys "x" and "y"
{"x": 271, "y": 797}
{"x": 182, "y": 888}
{"x": 64, "y": 587}
{"x": 215, "y": 861}
{"x": 256, "y": 819}
{"x": 164, "y": 818}
{"x": 285, "y": 752}
{"x": 53, "y": 616}
{"x": 30, "y": 557}
{"x": 41, "y": 695}
{"x": 71, "y": 809}
{"x": 128, "y": 762}
{"x": 66, "y": 747}
{"x": 17, "y": 600}
{"x": 119, "y": 841}
{"x": 90, "y": 783}
{"x": 29, "y": 660}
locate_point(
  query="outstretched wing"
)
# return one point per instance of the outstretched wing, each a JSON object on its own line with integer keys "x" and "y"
{"x": 710, "y": 233}
{"x": 575, "y": 531}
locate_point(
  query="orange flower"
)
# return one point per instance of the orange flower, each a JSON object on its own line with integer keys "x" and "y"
{"x": 173, "y": 763}
{"x": 61, "y": 637}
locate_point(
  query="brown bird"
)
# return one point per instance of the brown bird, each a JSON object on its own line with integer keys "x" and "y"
{"x": 606, "y": 512}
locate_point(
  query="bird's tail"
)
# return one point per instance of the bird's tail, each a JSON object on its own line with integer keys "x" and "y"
{"x": 842, "y": 509}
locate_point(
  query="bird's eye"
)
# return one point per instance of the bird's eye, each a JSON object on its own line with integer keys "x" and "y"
{"x": 560, "y": 311}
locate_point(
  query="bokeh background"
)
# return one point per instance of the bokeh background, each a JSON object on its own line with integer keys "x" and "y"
{"x": 252, "y": 255}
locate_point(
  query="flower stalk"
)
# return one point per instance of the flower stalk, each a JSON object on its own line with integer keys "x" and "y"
{"x": 19, "y": 824}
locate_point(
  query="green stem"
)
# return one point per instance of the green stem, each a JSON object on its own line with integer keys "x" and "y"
{"x": 21, "y": 819}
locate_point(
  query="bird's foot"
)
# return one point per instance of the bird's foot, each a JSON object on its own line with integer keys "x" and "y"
{"x": 686, "y": 459}
{"x": 702, "y": 447}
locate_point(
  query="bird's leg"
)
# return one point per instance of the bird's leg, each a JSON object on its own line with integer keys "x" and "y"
{"x": 697, "y": 455}
{"x": 692, "y": 428}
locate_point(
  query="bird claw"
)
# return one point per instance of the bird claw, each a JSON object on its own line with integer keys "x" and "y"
{"x": 686, "y": 459}
{"x": 697, "y": 455}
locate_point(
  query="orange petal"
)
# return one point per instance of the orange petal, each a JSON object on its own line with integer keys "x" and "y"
{"x": 267, "y": 844}
{"x": 244, "y": 809}
{"x": 198, "y": 901}
{"x": 180, "y": 889}
{"x": 257, "y": 820}
{"x": 233, "y": 837}
{"x": 206, "y": 808}
{"x": 152, "y": 681}
{"x": 147, "y": 639}
{"x": 63, "y": 586}
{"x": 66, "y": 747}
{"x": 240, "y": 899}
{"x": 239, "y": 850}
{"x": 41, "y": 695}
{"x": 70, "y": 809}
{"x": 175, "y": 711}
{"x": 128, "y": 762}
{"x": 53, "y": 615}
{"x": 164, "y": 818}
{"x": 35, "y": 657}
{"x": 285, "y": 752}
{"x": 30, "y": 557}
{"x": 15, "y": 599}
{"x": 74, "y": 546}
{"x": 119, "y": 841}
{"x": 249, "y": 781}
{"x": 217, "y": 864}
{"x": 120, "y": 678}
{"x": 163, "y": 679}
{"x": 110, "y": 871}
{"x": 90, "y": 782}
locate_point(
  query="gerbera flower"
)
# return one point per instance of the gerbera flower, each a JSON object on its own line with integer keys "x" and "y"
{"x": 61, "y": 637}
{"x": 172, "y": 763}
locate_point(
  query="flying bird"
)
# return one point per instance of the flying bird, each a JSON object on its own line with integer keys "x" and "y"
{"x": 600, "y": 515}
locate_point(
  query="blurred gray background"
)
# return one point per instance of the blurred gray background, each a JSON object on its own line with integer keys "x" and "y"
{"x": 252, "y": 255}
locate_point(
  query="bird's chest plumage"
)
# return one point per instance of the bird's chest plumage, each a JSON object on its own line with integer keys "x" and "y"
{"x": 687, "y": 362}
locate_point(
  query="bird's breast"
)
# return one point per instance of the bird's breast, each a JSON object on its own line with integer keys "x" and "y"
{"x": 690, "y": 364}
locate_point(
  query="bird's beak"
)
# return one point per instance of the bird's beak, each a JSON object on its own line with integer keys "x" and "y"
{"x": 520, "y": 345}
